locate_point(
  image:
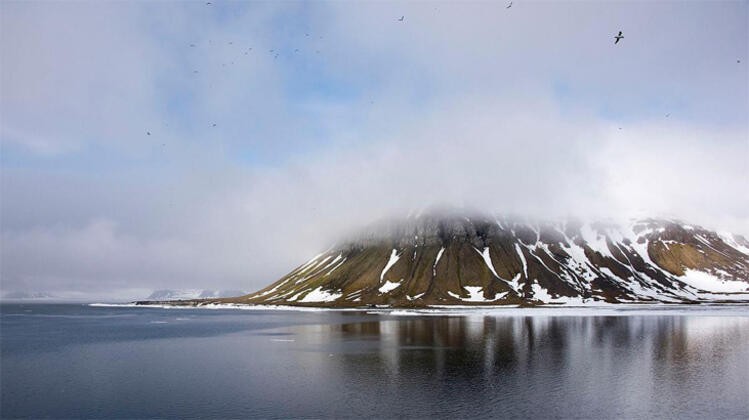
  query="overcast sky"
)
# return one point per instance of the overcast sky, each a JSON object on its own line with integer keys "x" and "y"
{"x": 329, "y": 115}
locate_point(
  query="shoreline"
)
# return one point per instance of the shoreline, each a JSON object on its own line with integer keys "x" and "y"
{"x": 598, "y": 309}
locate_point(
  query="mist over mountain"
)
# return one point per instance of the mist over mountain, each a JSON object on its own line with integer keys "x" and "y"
{"x": 453, "y": 258}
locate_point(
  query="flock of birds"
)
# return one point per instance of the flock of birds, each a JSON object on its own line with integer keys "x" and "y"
{"x": 618, "y": 37}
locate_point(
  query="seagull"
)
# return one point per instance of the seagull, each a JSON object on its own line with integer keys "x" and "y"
{"x": 668, "y": 115}
{"x": 192, "y": 45}
{"x": 509, "y": 5}
{"x": 148, "y": 133}
{"x": 401, "y": 19}
{"x": 213, "y": 125}
{"x": 618, "y": 37}
{"x": 208, "y": 3}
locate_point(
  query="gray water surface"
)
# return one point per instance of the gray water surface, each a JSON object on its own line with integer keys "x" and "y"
{"x": 80, "y": 361}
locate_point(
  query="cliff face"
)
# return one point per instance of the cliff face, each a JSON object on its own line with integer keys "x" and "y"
{"x": 480, "y": 260}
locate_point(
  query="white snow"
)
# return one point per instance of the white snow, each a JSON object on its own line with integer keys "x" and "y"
{"x": 393, "y": 259}
{"x": 342, "y": 260}
{"x": 539, "y": 293}
{"x": 389, "y": 285}
{"x": 487, "y": 259}
{"x": 414, "y": 297}
{"x": 436, "y": 261}
{"x": 730, "y": 240}
{"x": 522, "y": 258}
{"x": 710, "y": 283}
{"x": 476, "y": 294}
{"x": 319, "y": 295}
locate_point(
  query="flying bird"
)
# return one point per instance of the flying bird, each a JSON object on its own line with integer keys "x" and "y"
{"x": 192, "y": 45}
{"x": 208, "y": 3}
{"x": 509, "y": 5}
{"x": 401, "y": 19}
{"x": 213, "y": 125}
{"x": 618, "y": 37}
{"x": 148, "y": 133}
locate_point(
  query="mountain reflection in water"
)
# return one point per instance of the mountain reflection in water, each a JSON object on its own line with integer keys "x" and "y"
{"x": 80, "y": 362}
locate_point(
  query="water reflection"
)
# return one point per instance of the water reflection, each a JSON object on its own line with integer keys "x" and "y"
{"x": 624, "y": 366}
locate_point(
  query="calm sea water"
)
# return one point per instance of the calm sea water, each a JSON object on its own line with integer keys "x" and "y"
{"x": 79, "y": 361}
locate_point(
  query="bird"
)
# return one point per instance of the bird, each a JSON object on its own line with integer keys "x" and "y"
{"x": 231, "y": 43}
{"x": 192, "y": 45}
{"x": 509, "y": 5}
{"x": 208, "y": 3}
{"x": 296, "y": 49}
{"x": 401, "y": 19}
{"x": 668, "y": 115}
{"x": 148, "y": 133}
{"x": 213, "y": 125}
{"x": 275, "y": 56}
{"x": 618, "y": 37}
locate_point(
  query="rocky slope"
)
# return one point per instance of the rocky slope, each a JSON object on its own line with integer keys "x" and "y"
{"x": 481, "y": 260}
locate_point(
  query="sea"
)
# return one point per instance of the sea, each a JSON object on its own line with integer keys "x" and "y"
{"x": 81, "y": 361}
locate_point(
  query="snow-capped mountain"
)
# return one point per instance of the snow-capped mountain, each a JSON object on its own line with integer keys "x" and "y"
{"x": 480, "y": 260}
{"x": 186, "y": 294}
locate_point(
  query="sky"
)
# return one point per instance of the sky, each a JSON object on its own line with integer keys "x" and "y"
{"x": 153, "y": 145}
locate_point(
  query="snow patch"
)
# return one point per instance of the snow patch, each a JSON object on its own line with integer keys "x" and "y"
{"x": 522, "y": 258}
{"x": 436, "y": 261}
{"x": 393, "y": 259}
{"x": 389, "y": 285}
{"x": 319, "y": 295}
{"x": 488, "y": 259}
{"x": 711, "y": 283}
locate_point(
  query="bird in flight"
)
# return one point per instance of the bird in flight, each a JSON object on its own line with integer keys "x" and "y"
{"x": 148, "y": 133}
{"x": 509, "y": 5}
{"x": 208, "y": 3}
{"x": 401, "y": 19}
{"x": 618, "y": 37}
{"x": 213, "y": 125}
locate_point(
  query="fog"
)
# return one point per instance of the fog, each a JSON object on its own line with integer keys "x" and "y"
{"x": 354, "y": 116}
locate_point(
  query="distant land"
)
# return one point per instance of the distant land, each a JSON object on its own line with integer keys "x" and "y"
{"x": 474, "y": 259}
{"x": 171, "y": 294}
{"x": 163, "y": 294}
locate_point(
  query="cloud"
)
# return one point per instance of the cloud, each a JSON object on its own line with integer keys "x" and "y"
{"x": 463, "y": 105}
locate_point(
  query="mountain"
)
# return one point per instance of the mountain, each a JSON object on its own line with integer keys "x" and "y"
{"x": 481, "y": 260}
{"x": 182, "y": 294}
